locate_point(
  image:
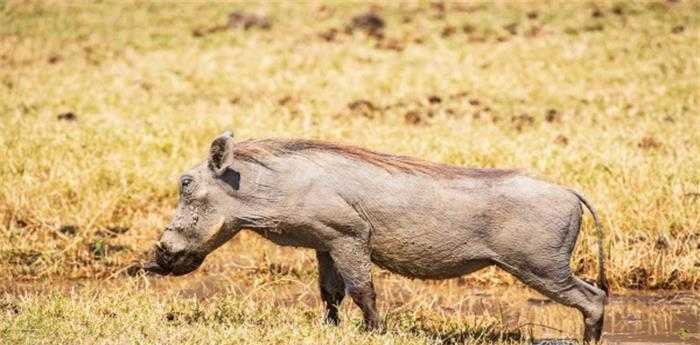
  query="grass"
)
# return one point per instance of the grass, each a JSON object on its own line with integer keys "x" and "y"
{"x": 131, "y": 314}
{"x": 270, "y": 307}
{"x": 599, "y": 96}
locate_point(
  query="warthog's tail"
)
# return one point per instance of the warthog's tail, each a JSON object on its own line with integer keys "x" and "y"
{"x": 602, "y": 281}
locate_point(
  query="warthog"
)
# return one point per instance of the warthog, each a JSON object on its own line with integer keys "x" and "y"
{"x": 356, "y": 207}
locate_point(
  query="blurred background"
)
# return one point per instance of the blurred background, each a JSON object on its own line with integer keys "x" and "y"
{"x": 103, "y": 105}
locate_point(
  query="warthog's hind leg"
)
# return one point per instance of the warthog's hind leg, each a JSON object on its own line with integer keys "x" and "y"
{"x": 331, "y": 286}
{"x": 590, "y": 301}
{"x": 565, "y": 288}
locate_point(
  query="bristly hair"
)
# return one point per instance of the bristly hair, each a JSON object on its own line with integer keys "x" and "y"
{"x": 255, "y": 150}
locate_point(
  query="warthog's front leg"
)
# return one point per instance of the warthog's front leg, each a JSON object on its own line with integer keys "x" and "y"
{"x": 353, "y": 262}
{"x": 331, "y": 285}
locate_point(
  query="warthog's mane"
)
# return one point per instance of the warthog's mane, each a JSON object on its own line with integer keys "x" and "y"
{"x": 257, "y": 150}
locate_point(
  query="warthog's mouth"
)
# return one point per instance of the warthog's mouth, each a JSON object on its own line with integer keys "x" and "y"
{"x": 177, "y": 265}
{"x": 153, "y": 267}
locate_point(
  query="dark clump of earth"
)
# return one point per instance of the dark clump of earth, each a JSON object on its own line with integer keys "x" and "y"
{"x": 369, "y": 22}
{"x": 678, "y": 29}
{"x": 68, "y": 229}
{"x": 67, "y": 116}
{"x": 552, "y": 116}
{"x": 363, "y": 107}
{"x": 53, "y": 59}
{"x": 412, "y": 118}
{"x": 561, "y": 140}
{"x": 434, "y": 99}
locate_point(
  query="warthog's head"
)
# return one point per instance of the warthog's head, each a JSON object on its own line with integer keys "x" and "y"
{"x": 204, "y": 219}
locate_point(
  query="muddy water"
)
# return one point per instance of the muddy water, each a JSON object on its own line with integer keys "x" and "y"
{"x": 635, "y": 317}
{"x": 641, "y": 318}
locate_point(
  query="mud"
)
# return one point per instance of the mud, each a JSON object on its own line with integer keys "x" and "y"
{"x": 636, "y": 317}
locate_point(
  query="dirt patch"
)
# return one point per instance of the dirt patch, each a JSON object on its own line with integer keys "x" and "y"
{"x": 364, "y": 108}
{"x": 372, "y": 24}
{"x": 448, "y": 31}
{"x": 618, "y": 10}
{"x": 561, "y": 140}
{"x": 521, "y": 121}
{"x": 329, "y": 35}
{"x": 369, "y": 22}
{"x": 648, "y": 142}
{"x": 236, "y": 20}
{"x": 67, "y": 116}
{"x": 20, "y": 257}
{"x": 434, "y": 99}
{"x": 54, "y": 59}
{"x": 412, "y": 118}
{"x": 68, "y": 229}
{"x": 552, "y": 115}
{"x": 597, "y": 13}
{"x": 422, "y": 110}
{"x": 512, "y": 28}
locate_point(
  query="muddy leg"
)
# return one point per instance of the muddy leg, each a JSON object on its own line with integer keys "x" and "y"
{"x": 353, "y": 263}
{"x": 591, "y": 302}
{"x": 594, "y": 315}
{"x": 570, "y": 291}
{"x": 331, "y": 285}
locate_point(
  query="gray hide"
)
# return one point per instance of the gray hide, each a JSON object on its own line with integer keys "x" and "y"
{"x": 357, "y": 207}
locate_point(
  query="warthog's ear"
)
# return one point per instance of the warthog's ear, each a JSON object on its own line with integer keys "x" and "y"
{"x": 221, "y": 153}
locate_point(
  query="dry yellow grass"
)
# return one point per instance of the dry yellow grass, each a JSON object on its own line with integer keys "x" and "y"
{"x": 136, "y": 313}
{"x": 602, "y": 97}
{"x": 249, "y": 306}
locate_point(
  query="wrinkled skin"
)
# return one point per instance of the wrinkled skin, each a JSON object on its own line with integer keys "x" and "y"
{"x": 354, "y": 214}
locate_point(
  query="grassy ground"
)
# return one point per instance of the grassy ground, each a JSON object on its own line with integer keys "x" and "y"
{"x": 103, "y": 105}
{"x": 269, "y": 307}
{"x": 131, "y": 314}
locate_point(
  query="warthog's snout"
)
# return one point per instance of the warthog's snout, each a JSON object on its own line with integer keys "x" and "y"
{"x": 177, "y": 263}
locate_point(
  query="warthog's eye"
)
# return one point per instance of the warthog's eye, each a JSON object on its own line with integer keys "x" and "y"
{"x": 185, "y": 183}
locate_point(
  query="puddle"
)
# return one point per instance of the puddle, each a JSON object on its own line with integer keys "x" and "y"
{"x": 635, "y": 317}
{"x": 644, "y": 318}
{"x": 665, "y": 318}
